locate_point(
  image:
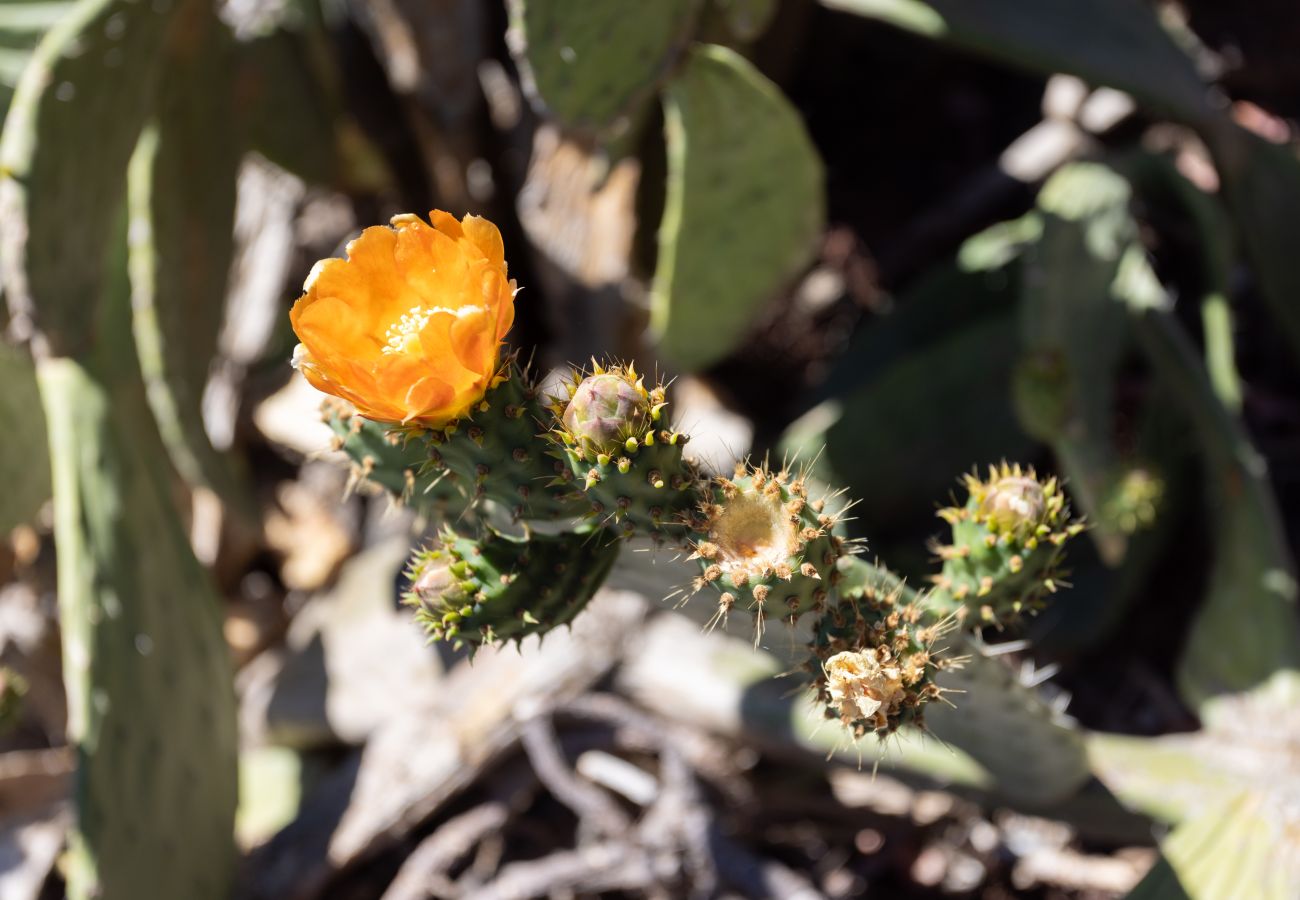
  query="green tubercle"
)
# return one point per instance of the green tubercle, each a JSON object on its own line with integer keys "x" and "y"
{"x": 1007, "y": 545}
{"x": 394, "y": 460}
{"x": 497, "y": 588}
{"x": 759, "y": 539}
{"x": 609, "y": 430}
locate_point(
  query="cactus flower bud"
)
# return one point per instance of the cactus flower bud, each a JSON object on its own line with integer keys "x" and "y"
{"x": 1014, "y": 503}
{"x": 605, "y": 411}
{"x": 432, "y": 579}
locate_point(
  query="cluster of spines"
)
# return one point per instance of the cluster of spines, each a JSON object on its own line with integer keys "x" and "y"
{"x": 1007, "y": 545}
{"x": 874, "y": 660}
{"x": 757, "y": 536}
{"x": 497, "y": 588}
{"x": 392, "y": 459}
{"x": 608, "y": 430}
{"x": 495, "y": 454}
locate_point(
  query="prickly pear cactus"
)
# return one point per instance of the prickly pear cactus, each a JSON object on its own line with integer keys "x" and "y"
{"x": 489, "y": 590}
{"x": 610, "y": 430}
{"x": 181, "y": 193}
{"x": 590, "y": 65}
{"x": 1006, "y": 545}
{"x": 495, "y": 454}
{"x": 744, "y": 205}
{"x": 56, "y": 195}
{"x": 763, "y": 543}
{"x": 151, "y": 703}
{"x": 1074, "y": 330}
{"x": 394, "y": 461}
{"x": 24, "y": 447}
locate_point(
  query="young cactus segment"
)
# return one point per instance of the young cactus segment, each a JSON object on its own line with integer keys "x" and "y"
{"x": 874, "y": 660}
{"x": 632, "y": 470}
{"x": 485, "y": 591}
{"x": 495, "y": 452}
{"x": 1007, "y": 544}
{"x": 760, "y": 540}
{"x": 394, "y": 460}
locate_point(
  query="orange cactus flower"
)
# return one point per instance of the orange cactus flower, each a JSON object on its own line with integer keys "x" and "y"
{"x": 409, "y": 327}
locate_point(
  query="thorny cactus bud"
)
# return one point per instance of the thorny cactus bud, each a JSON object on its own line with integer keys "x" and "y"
{"x": 605, "y": 411}
{"x": 758, "y": 537}
{"x": 1013, "y": 504}
{"x": 608, "y": 430}
{"x": 1006, "y": 545}
{"x": 497, "y": 588}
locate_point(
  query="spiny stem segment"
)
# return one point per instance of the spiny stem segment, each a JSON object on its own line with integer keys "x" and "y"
{"x": 1007, "y": 546}
{"x": 762, "y": 542}
{"x": 610, "y": 431}
{"x": 488, "y": 590}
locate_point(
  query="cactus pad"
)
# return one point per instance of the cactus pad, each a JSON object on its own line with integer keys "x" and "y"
{"x": 588, "y": 65}
{"x": 1006, "y": 545}
{"x": 496, "y": 455}
{"x": 498, "y": 588}
{"x": 744, "y": 206}
{"x": 632, "y": 471}
{"x": 760, "y": 541}
{"x": 394, "y": 461}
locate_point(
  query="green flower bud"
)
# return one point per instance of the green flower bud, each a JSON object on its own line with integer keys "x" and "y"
{"x": 606, "y": 410}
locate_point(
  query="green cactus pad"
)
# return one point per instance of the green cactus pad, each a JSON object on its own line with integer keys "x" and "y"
{"x": 495, "y": 452}
{"x": 56, "y": 195}
{"x": 395, "y": 461}
{"x": 151, "y": 707}
{"x": 632, "y": 471}
{"x": 485, "y": 591}
{"x": 24, "y": 448}
{"x": 181, "y": 195}
{"x": 744, "y": 205}
{"x": 874, "y": 659}
{"x": 1006, "y": 545}
{"x": 591, "y": 64}
{"x": 761, "y": 542}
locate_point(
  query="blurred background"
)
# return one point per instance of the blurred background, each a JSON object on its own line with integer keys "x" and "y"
{"x": 896, "y": 238}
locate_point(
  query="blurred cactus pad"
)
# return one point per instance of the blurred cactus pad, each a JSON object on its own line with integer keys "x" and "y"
{"x": 693, "y": 448}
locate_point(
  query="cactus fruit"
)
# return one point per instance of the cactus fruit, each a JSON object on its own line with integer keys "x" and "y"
{"x": 874, "y": 659}
{"x": 758, "y": 538}
{"x": 485, "y": 591}
{"x": 632, "y": 471}
{"x": 1006, "y": 545}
